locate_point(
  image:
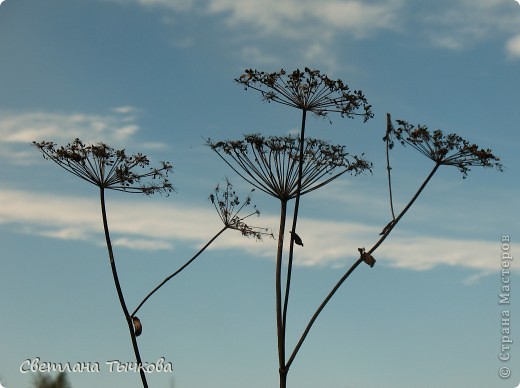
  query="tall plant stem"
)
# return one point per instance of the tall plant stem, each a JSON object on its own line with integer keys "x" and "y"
{"x": 354, "y": 266}
{"x": 179, "y": 270}
{"x": 118, "y": 288}
{"x": 285, "y": 369}
{"x": 295, "y": 218}
{"x": 280, "y": 331}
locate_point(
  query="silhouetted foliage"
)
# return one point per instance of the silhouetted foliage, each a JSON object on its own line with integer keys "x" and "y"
{"x": 284, "y": 167}
{"x": 45, "y": 381}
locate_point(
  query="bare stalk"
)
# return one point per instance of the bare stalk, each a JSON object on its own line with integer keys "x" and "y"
{"x": 118, "y": 288}
{"x": 295, "y": 217}
{"x": 354, "y": 266}
{"x": 279, "y": 321}
{"x": 179, "y": 270}
{"x": 285, "y": 369}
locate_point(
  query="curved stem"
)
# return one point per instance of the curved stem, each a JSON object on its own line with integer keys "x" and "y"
{"x": 179, "y": 270}
{"x": 354, "y": 266}
{"x": 118, "y": 287}
{"x": 320, "y": 308}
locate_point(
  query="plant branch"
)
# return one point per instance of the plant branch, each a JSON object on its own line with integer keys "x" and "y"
{"x": 179, "y": 270}
{"x": 354, "y": 266}
{"x": 118, "y": 288}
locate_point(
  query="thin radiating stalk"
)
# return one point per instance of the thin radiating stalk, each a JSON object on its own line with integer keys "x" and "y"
{"x": 179, "y": 270}
{"x": 118, "y": 288}
{"x": 354, "y": 266}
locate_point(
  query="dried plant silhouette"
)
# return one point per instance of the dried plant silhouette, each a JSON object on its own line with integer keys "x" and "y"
{"x": 287, "y": 167}
{"x": 111, "y": 169}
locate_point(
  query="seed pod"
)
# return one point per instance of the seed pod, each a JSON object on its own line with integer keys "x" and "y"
{"x": 367, "y": 257}
{"x": 297, "y": 239}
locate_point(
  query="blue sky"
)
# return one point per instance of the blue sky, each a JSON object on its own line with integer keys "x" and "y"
{"x": 156, "y": 76}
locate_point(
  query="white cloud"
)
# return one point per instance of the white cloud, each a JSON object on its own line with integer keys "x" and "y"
{"x": 178, "y": 5}
{"x": 423, "y": 253}
{"x": 19, "y": 129}
{"x": 147, "y": 226}
{"x": 29, "y": 126}
{"x": 123, "y": 109}
{"x": 464, "y": 23}
{"x": 513, "y": 47}
{"x": 297, "y": 18}
{"x": 360, "y": 17}
{"x": 310, "y": 28}
{"x": 307, "y": 29}
{"x": 161, "y": 226}
{"x": 142, "y": 244}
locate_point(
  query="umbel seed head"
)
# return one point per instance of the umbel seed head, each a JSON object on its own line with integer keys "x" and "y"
{"x": 309, "y": 90}
{"x": 108, "y": 168}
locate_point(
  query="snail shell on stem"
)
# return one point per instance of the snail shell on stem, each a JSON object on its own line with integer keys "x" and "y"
{"x": 138, "y": 327}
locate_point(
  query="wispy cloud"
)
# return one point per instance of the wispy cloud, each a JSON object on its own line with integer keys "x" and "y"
{"x": 162, "y": 226}
{"x": 19, "y": 129}
{"x": 288, "y": 18}
{"x": 147, "y": 226}
{"x": 171, "y": 4}
{"x": 306, "y": 28}
{"x": 28, "y": 126}
{"x": 311, "y": 30}
{"x": 462, "y": 24}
